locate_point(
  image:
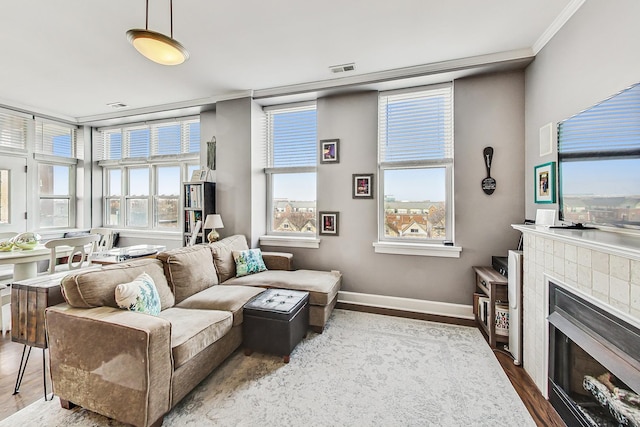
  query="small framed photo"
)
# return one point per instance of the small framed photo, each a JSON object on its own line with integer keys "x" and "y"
{"x": 362, "y": 184}
{"x": 195, "y": 176}
{"x": 199, "y": 175}
{"x": 329, "y": 151}
{"x": 329, "y": 223}
{"x": 545, "y": 183}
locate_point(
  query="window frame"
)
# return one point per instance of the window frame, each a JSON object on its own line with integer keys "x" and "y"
{"x": 122, "y": 160}
{"x": 271, "y": 172}
{"x": 152, "y": 197}
{"x": 71, "y": 197}
{"x": 416, "y": 245}
{"x": 44, "y": 154}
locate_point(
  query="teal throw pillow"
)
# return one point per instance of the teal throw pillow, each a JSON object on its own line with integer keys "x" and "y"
{"x": 248, "y": 262}
{"x": 139, "y": 295}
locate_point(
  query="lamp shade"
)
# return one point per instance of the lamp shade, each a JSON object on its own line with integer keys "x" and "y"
{"x": 158, "y": 47}
{"x": 213, "y": 221}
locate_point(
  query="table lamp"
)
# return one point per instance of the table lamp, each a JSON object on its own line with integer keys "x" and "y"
{"x": 213, "y": 221}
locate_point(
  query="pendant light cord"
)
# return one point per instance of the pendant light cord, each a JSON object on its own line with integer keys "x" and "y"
{"x": 146, "y": 23}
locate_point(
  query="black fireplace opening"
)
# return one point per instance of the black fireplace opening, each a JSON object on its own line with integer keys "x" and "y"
{"x": 594, "y": 363}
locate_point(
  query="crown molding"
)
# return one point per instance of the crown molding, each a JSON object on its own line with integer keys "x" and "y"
{"x": 556, "y": 25}
{"x": 37, "y": 112}
{"x": 520, "y": 55}
{"x": 193, "y": 106}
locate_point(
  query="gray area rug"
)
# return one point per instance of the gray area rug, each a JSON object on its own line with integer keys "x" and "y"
{"x": 364, "y": 370}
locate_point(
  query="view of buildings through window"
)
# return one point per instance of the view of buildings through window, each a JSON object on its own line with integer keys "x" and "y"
{"x": 414, "y": 204}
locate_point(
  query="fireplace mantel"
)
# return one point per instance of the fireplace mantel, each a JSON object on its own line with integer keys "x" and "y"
{"x": 603, "y": 265}
{"x": 616, "y": 243}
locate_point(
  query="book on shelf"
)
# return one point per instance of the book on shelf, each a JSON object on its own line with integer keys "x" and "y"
{"x": 193, "y": 196}
{"x": 191, "y": 219}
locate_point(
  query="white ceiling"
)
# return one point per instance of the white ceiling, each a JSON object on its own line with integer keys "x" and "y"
{"x": 70, "y": 58}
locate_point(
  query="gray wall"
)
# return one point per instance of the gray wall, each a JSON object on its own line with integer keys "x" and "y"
{"x": 489, "y": 110}
{"x": 592, "y": 57}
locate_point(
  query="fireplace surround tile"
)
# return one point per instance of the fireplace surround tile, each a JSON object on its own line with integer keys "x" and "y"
{"x": 570, "y": 271}
{"x": 635, "y": 272}
{"x": 600, "y": 262}
{"x": 619, "y": 267}
{"x": 558, "y": 249}
{"x": 600, "y": 283}
{"x": 593, "y": 268}
{"x": 584, "y": 257}
{"x": 571, "y": 253}
{"x": 620, "y": 292}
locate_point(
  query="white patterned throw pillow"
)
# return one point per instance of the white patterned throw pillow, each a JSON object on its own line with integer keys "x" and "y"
{"x": 139, "y": 295}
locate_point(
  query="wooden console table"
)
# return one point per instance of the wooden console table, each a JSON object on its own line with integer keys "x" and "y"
{"x": 29, "y": 300}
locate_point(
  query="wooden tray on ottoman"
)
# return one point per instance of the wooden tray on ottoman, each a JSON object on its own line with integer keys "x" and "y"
{"x": 275, "y": 321}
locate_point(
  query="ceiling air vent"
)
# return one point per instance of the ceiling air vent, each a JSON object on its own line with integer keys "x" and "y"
{"x": 117, "y": 105}
{"x": 342, "y": 68}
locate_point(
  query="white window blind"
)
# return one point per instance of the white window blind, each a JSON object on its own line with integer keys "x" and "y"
{"x": 57, "y": 139}
{"x": 144, "y": 140}
{"x": 416, "y": 126}
{"x": 614, "y": 123}
{"x": 13, "y": 130}
{"x": 291, "y": 137}
{"x": 137, "y": 142}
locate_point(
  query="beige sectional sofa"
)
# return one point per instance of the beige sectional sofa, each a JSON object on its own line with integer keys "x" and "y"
{"x": 135, "y": 367}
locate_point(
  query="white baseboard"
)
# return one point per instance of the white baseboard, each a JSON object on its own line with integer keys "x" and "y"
{"x": 407, "y": 304}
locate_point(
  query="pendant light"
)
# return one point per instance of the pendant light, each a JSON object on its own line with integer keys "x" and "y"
{"x": 158, "y": 47}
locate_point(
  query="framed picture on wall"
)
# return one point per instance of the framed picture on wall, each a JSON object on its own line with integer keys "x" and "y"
{"x": 362, "y": 184}
{"x": 329, "y": 223}
{"x": 544, "y": 179}
{"x": 329, "y": 151}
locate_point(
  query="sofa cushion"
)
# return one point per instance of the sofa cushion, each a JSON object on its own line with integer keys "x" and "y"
{"x": 96, "y": 288}
{"x": 194, "y": 330}
{"x": 248, "y": 262}
{"x": 227, "y": 298}
{"x": 321, "y": 285}
{"x": 222, "y": 252}
{"x": 140, "y": 295}
{"x": 189, "y": 270}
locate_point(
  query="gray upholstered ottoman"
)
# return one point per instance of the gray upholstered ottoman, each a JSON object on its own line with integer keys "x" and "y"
{"x": 275, "y": 321}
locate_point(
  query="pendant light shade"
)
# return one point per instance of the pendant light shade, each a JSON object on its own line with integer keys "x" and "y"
{"x": 156, "y": 46}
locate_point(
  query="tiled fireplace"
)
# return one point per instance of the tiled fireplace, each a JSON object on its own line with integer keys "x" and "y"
{"x": 602, "y": 268}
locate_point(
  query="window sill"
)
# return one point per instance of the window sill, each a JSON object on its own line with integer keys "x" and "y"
{"x": 417, "y": 249}
{"x": 290, "y": 242}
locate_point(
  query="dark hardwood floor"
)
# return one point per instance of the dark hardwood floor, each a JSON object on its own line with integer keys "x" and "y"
{"x": 540, "y": 409}
{"x": 32, "y": 388}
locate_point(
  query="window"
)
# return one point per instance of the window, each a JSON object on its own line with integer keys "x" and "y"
{"x": 144, "y": 167}
{"x": 291, "y": 170}
{"x": 415, "y": 147}
{"x": 57, "y": 151}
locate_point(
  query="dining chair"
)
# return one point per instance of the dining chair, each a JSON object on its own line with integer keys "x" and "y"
{"x": 82, "y": 248}
{"x": 106, "y": 239}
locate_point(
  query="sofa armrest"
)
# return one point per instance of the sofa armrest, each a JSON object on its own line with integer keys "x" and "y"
{"x": 114, "y": 362}
{"x": 278, "y": 260}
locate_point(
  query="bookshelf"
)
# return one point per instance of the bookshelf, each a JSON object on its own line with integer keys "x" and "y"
{"x": 490, "y": 299}
{"x": 199, "y": 200}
